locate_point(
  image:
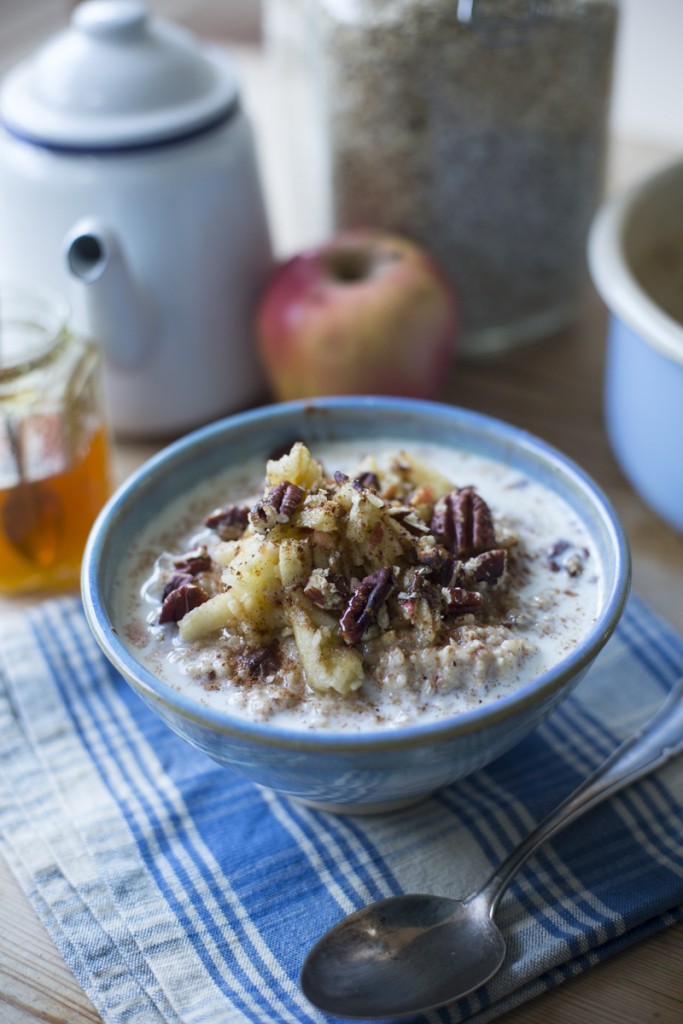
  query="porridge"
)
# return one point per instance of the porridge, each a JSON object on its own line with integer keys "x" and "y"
{"x": 359, "y": 587}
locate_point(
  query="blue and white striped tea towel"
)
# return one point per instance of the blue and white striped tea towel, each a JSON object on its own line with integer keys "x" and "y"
{"x": 177, "y": 892}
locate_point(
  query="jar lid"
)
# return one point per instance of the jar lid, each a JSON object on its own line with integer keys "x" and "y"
{"x": 116, "y": 78}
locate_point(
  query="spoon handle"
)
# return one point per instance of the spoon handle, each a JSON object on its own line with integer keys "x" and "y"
{"x": 660, "y": 739}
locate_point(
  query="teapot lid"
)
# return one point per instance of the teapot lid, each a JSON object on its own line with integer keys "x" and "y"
{"x": 117, "y": 79}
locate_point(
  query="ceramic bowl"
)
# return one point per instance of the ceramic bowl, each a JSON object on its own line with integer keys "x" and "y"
{"x": 635, "y": 253}
{"x": 341, "y": 771}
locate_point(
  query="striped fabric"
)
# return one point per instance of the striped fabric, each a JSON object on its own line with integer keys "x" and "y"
{"x": 177, "y": 892}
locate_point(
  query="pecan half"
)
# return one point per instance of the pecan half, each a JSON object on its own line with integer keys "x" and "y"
{"x": 181, "y": 601}
{"x": 489, "y": 566}
{"x": 192, "y": 562}
{"x": 364, "y": 605}
{"x": 460, "y": 602}
{"x": 229, "y": 522}
{"x": 462, "y": 521}
{"x": 278, "y": 506}
{"x": 178, "y": 579}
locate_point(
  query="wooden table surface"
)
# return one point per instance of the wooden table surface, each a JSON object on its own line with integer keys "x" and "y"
{"x": 553, "y": 389}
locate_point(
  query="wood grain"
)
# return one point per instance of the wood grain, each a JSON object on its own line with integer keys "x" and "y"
{"x": 35, "y": 984}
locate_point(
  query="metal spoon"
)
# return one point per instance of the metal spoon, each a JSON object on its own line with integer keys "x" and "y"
{"x": 409, "y": 954}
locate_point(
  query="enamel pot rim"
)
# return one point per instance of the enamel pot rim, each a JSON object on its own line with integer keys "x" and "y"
{"x": 613, "y": 277}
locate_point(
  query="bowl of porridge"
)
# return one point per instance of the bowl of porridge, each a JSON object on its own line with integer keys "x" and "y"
{"x": 355, "y": 601}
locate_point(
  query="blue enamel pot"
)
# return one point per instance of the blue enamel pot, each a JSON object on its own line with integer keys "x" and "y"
{"x": 635, "y": 253}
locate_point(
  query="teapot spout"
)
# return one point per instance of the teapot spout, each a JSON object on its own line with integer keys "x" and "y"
{"x": 114, "y": 306}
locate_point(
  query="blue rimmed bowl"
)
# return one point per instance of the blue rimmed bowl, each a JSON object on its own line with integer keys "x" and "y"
{"x": 370, "y": 771}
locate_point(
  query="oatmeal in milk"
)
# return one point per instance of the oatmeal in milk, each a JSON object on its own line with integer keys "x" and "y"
{"x": 360, "y": 586}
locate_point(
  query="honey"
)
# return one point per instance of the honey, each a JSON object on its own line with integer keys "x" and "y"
{"x": 56, "y": 523}
{"x": 54, "y": 444}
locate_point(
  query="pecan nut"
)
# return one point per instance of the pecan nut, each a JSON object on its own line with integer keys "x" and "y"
{"x": 462, "y": 521}
{"x": 262, "y": 661}
{"x": 278, "y": 506}
{"x": 365, "y": 604}
{"x": 366, "y": 481}
{"x": 489, "y": 566}
{"x": 229, "y": 522}
{"x": 458, "y": 601}
{"x": 182, "y": 600}
{"x": 419, "y": 598}
{"x": 193, "y": 562}
{"x": 441, "y": 564}
{"x": 178, "y": 579}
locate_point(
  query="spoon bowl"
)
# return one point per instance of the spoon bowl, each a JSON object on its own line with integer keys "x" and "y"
{"x": 403, "y": 951}
{"x": 408, "y": 954}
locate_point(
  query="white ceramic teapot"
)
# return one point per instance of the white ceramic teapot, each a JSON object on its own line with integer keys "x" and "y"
{"x": 128, "y": 182}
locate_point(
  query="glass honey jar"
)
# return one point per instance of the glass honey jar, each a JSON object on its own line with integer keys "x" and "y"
{"x": 54, "y": 444}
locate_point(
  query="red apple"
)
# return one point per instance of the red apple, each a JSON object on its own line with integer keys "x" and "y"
{"x": 365, "y": 313}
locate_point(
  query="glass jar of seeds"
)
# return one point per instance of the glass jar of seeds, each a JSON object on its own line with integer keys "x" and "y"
{"x": 475, "y": 127}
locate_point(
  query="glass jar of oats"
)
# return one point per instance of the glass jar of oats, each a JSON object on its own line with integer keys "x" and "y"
{"x": 475, "y": 127}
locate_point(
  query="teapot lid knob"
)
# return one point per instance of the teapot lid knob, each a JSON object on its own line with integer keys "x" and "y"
{"x": 110, "y": 18}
